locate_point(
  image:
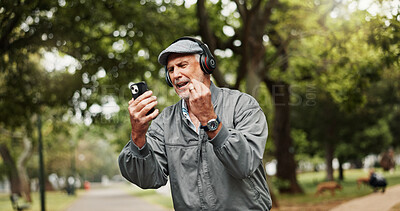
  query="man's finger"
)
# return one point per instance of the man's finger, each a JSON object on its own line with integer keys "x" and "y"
{"x": 196, "y": 85}
{"x": 194, "y": 93}
{"x": 191, "y": 87}
{"x": 142, "y": 104}
{"x": 148, "y": 107}
{"x": 153, "y": 115}
{"x": 143, "y": 96}
{"x": 199, "y": 87}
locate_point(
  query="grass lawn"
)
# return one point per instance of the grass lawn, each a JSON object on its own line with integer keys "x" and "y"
{"x": 55, "y": 201}
{"x": 309, "y": 182}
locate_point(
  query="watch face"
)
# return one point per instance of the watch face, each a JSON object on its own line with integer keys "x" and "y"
{"x": 212, "y": 125}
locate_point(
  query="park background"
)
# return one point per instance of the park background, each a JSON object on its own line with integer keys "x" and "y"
{"x": 325, "y": 72}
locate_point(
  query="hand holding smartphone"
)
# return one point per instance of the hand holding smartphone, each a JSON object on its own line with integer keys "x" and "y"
{"x": 138, "y": 89}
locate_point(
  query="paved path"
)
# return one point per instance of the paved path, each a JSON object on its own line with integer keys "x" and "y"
{"x": 109, "y": 199}
{"x": 375, "y": 201}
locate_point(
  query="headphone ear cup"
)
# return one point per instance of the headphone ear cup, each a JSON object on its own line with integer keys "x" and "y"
{"x": 202, "y": 64}
{"x": 167, "y": 78}
{"x": 211, "y": 64}
{"x": 205, "y": 64}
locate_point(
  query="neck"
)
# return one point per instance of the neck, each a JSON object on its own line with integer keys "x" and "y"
{"x": 187, "y": 104}
{"x": 207, "y": 82}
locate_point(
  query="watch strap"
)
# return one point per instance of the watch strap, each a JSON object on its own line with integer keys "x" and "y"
{"x": 205, "y": 127}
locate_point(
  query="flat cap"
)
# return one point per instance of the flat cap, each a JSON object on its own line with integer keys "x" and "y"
{"x": 181, "y": 46}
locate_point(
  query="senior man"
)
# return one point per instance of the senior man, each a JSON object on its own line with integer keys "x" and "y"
{"x": 210, "y": 144}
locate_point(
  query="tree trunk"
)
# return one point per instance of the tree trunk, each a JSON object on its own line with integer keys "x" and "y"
{"x": 255, "y": 53}
{"x": 286, "y": 168}
{"x": 329, "y": 158}
{"x": 21, "y": 163}
{"x": 341, "y": 176}
{"x": 12, "y": 172}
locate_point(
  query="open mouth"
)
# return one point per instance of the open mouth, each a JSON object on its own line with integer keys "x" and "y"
{"x": 182, "y": 84}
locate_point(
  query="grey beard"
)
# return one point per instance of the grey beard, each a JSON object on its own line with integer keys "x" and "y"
{"x": 185, "y": 98}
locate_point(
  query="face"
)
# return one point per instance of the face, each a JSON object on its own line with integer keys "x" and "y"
{"x": 182, "y": 68}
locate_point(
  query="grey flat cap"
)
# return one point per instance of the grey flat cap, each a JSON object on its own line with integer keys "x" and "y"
{"x": 182, "y": 46}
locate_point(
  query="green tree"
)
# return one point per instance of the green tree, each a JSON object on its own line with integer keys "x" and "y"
{"x": 115, "y": 37}
{"x": 356, "y": 101}
{"x": 356, "y": 134}
{"x": 25, "y": 89}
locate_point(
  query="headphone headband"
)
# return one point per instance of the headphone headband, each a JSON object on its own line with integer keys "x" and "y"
{"x": 203, "y": 46}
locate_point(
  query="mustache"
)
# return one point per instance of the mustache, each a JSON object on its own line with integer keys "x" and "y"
{"x": 180, "y": 80}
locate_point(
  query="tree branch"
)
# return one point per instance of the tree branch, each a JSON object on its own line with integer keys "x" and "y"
{"x": 241, "y": 8}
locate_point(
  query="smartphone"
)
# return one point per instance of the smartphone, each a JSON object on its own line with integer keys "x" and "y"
{"x": 138, "y": 89}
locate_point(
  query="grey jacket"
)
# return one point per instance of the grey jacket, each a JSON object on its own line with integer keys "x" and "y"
{"x": 225, "y": 173}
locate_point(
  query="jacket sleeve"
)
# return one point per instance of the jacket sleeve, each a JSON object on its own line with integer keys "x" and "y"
{"x": 145, "y": 167}
{"x": 241, "y": 148}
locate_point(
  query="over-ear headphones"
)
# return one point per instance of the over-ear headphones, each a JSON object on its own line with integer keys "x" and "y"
{"x": 207, "y": 61}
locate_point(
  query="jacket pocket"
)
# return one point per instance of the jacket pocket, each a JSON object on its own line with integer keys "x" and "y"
{"x": 252, "y": 187}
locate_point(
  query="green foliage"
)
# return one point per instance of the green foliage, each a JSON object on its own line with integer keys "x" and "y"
{"x": 355, "y": 134}
{"x": 305, "y": 150}
{"x": 115, "y": 38}
{"x": 280, "y": 183}
{"x": 346, "y": 59}
{"x": 25, "y": 88}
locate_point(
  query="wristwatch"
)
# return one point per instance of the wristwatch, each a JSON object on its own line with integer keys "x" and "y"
{"x": 212, "y": 125}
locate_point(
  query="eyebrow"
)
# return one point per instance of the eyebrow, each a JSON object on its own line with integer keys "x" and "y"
{"x": 179, "y": 63}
